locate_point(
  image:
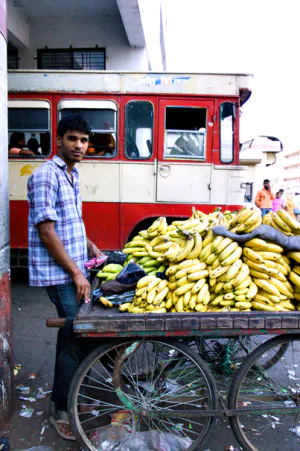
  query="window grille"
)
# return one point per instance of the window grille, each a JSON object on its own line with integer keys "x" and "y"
{"x": 71, "y": 59}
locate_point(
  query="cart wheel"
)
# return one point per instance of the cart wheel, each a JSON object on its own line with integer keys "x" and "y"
{"x": 269, "y": 385}
{"x": 144, "y": 382}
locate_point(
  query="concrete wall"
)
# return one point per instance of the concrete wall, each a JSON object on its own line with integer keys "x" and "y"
{"x": 17, "y": 25}
{"x": 105, "y": 32}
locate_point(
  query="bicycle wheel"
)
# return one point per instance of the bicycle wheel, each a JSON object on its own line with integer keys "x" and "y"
{"x": 145, "y": 383}
{"x": 271, "y": 393}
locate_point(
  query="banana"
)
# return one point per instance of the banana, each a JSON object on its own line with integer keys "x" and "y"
{"x": 280, "y": 224}
{"x": 242, "y": 275}
{"x": 186, "y": 298}
{"x": 150, "y": 263}
{"x": 219, "y": 287}
{"x": 233, "y": 257}
{"x": 275, "y": 265}
{"x": 278, "y": 275}
{"x": 228, "y": 296}
{"x": 182, "y": 273}
{"x": 259, "y": 275}
{"x": 200, "y": 308}
{"x": 260, "y": 306}
{"x": 160, "y": 296}
{"x": 228, "y": 251}
{"x": 179, "y": 305}
{"x": 216, "y": 242}
{"x": 189, "y": 224}
{"x": 202, "y": 226}
{"x": 210, "y": 259}
{"x": 246, "y": 283}
{"x": 144, "y": 234}
{"x": 106, "y": 302}
{"x": 153, "y": 283}
{"x": 252, "y": 255}
{"x": 198, "y": 285}
{"x": 193, "y": 302}
{"x": 215, "y": 264}
{"x": 172, "y": 252}
{"x": 198, "y": 267}
{"x": 186, "y": 250}
{"x": 228, "y": 287}
{"x": 297, "y": 296}
{"x": 208, "y": 239}
{"x": 219, "y": 272}
{"x": 206, "y": 298}
{"x": 154, "y": 226}
{"x": 172, "y": 270}
{"x": 252, "y": 291}
{"x": 162, "y": 224}
{"x": 124, "y": 307}
{"x": 217, "y": 300}
{"x": 183, "y": 289}
{"x": 257, "y": 244}
{"x": 188, "y": 264}
{"x": 182, "y": 281}
{"x": 296, "y": 269}
{"x": 136, "y": 243}
{"x": 202, "y": 292}
{"x": 159, "y": 310}
{"x": 151, "y": 296}
{"x": 144, "y": 260}
{"x": 197, "y": 247}
{"x": 132, "y": 250}
{"x": 206, "y": 251}
{"x": 295, "y": 278}
{"x": 197, "y": 275}
{"x": 169, "y": 303}
{"x": 241, "y": 292}
{"x": 157, "y": 240}
{"x": 253, "y": 226}
{"x": 267, "y": 286}
{"x": 243, "y": 304}
{"x": 162, "y": 285}
{"x": 145, "y": 281}
{"x": 140, "y": 291}
{"x": 227, "y": 303}
{"x": 243, "y": 215}
{"x": 271, "y": 297}
{"x": 265, "y": 255}
{"x": 172, "y": 286}
{"x": 295, "y": 256}
{"x": 285, "y": 217}
{"x": 162, "y": 247}
{"x": 273, "y": 248}
{"x": 288, "y": 286}
{"x": 233, "y": 270}
{"x": 287, "y": 305}
{"x": 223, "y": 245}
{"x": 253, "y": 219}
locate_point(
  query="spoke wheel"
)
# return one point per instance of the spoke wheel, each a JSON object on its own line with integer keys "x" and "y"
{"x": 151, "y": 385}
{"x": 268, "y": 383}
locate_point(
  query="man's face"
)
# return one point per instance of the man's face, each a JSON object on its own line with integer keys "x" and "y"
{"x": 267, "y": 185}
{"x": 73, "y": 145}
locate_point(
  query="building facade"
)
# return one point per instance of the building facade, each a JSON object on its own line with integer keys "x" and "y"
{"x": 292, "y": 171}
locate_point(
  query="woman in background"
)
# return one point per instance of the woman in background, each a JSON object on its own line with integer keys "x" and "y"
{"x": 278, "y": 202}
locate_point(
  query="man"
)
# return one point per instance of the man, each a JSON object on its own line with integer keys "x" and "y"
{"x": 58, "y": 249}
{"x": 264, "y": 198}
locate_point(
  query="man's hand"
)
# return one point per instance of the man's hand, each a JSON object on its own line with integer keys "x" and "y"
{"x": 83, "y": 288}
{"x": 93, "y": 251}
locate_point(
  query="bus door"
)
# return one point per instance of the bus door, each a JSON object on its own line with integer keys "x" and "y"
{"x": 184, "y": 151}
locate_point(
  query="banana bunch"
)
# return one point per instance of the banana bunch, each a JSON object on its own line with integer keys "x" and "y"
{"x": 246, "y": 220}
{"x": 109, "y": 272}
{"x": 283, "y": 222}
{"x": 150, "y": 296}
{"x": 269, "y": 270}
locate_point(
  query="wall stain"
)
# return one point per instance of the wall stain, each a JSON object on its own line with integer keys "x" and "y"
{"x": 27, "y": 169}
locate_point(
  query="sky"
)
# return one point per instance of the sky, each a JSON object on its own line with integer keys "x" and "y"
{"x": 258, "y": 37}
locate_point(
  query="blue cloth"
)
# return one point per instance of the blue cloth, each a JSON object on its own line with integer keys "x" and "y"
{"x": 264, "y": 211}
{"x": 53, "y": 197}
{"x": 70, "y": 350}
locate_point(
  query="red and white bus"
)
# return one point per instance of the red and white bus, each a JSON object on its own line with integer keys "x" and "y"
{"x": 160, "y": 144}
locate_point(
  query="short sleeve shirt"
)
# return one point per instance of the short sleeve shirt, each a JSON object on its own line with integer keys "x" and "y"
{"x": 53, "y": 197}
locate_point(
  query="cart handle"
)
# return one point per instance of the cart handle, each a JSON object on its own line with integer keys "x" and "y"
{"x": 56, "y": 322}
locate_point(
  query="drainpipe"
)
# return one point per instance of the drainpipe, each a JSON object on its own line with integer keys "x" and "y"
{"x": 6, "y": 344}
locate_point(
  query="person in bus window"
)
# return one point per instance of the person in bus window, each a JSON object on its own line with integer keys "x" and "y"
{"x": 33, "y": 145}
{"x": 17, "y": 144}
{"x": 57, "y": 250}
{"x": 187, "y": 144}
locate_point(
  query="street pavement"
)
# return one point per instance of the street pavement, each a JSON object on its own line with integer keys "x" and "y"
{"x": 34, "y": 349}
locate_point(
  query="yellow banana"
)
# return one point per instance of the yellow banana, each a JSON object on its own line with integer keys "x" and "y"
{"x": 200, "y": 308}
{"x": 206, "y": 298}
{"x": 193, "y": 302}
{"x": 161, "y": 295}
{"x": 242, "y": 275}
{"x": 228, "y": 251}
{"x": 228, "y": 296}
{"x": 162, "y": 224}
{"x": 228, "y": 287}
{"x": 295, "y": 256}
{"x": 297, "y": 296}
{"x": 153, "y": 283}
{"x": 179, "y": 305}
{"x": 285, "y": 217}
{"x": 162, "y": 247}
{"x": 172, "y": 252}
{"x": 215, "y": 264}
{"x": 182, "y": 273}
{"x": 246, "y": 283}
{"x": 260, "y": 306}
{"x": 106, "y": 302}
{"x": 259, "y": 275}
{"x": 124, "y": 307}
{"x": 197, "y": 247}
{"x": 219, "y": 272}
{"x": 151, "y": 296}
{"x": 133, "y": 309}
{"x": 136, "y": 243}
{"x": 198, "y": 267}
{"x": 267, "y": 286}
{"x": 202, "y": 292}
{"x": 217, "y": 300}
{"x": 154, "y": 226}
{"x": 172, "y": 270}
{"x": 253, "y": 226}
{"x": 219, "y": 287}
{"x": 186, "y": 298}
{"x": 182, "y": 281}
{"x": 243, "y": 304}
{"x": 295, "y": 278}
{"x": 208, "y": 239}
{"x": 252, "y": 291}
{"x": 253, "y": 218}
{"x": 232, "y": 257}
{"x": 227, "y": 303}
{"x": 145, "y": 281}
{"x": 172, "y": 286}
{"x": 273, "y": 248}
{"x": 252, "y": 255}
{"x": 197, "y": 275}
{"x": 216, "y": 242}
{"x": 157, "y": 240}
{"x": 198, "y": 285}
{"x": 265, "y": 255}
{"x": 241, "y": 292}
{"x": 272, "y": 297}
{"x": 287, "y": 305}
{"x": 233, "y": 270}
{"x": 188, "y": 264}
{"x": 183, "y": 289}
{"x": 275, "y": 265}
{"x": 222, "y": 246}
{"x": 243, "y": 215}
{"x": 186, "y": 250}
{"x": 257, "y": 244}
{"x": 211, "y": 259}
{"x": 161, "y": 286}
{"x": 278, "y": 275}
{"x": 206, "y": 251}
{"x": 280, "y": 225}
{"x": 296, "y": 269}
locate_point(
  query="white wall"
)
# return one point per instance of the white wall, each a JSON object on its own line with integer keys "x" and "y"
{"x": 105, "y": 32}
{"x": 17, "y": 25}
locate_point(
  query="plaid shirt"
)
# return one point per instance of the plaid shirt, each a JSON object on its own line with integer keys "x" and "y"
{"x": 52, "y": 197}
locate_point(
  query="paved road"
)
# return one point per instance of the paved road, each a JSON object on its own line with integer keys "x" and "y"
{"x": 34, "y": 350}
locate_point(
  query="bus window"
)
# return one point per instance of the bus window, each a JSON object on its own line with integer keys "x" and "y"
{"x": 185, "y": 132}
{"x": 102, "y": 117}
{"x": 28, "y": 128}
{"x": 139, "y": 130}
{"x": 227, "y": 114}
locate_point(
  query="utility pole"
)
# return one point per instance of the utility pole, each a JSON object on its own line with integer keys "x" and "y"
{"x": 6, "y": 343}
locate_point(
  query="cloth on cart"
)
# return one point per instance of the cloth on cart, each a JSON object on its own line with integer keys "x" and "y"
{"x": 132, "y": 273}
{"x": 265, "y": 232}
{"x": 95, "y": 262}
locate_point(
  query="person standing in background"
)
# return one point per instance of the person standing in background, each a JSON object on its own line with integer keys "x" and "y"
{"x": 289, "y": 206}
{"x": 264, "y": 198}
{"x": 278, "y": 202}
{"x": 297, "y": 206}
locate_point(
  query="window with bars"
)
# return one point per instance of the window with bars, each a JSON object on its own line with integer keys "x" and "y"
{"x": 71, "y": 59}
